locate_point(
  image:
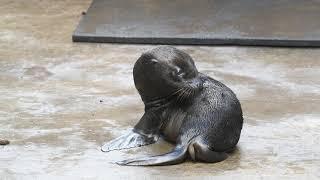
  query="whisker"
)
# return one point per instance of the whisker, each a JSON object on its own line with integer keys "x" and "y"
{"x": 177, "y": 91}
{"x": 189, "y": 91}
{"x": 184, "y": 93}
{"x": 181, "y": 96}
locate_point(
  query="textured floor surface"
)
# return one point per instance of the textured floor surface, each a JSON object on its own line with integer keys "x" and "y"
{"x": 242, "y": 22}
{"x": 59, "y": 101}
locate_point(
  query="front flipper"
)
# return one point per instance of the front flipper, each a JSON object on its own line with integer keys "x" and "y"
{"x": 129, "y": 140}
{"x": 176, "y": 156}
{"x": 144, "y": 133}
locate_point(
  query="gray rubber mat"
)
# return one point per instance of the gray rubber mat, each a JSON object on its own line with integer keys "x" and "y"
{"x": 202, "y": 22}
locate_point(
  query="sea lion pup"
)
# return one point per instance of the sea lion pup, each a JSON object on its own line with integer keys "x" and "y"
{"x": 202, "y": 116}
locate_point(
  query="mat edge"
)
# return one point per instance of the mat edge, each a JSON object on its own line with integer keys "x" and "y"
{"x": 197, "y": 41}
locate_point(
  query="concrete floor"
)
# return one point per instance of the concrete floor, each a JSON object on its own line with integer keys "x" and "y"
{"x": 59, "y": 101}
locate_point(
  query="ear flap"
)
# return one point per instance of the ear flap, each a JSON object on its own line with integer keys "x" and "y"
{"x": 154, "y": 61}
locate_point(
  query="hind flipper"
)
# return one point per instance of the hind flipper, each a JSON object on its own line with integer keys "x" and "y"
{"x": 199, "y": 151}
{"x": 129, "y": 140}
{"x": 176, "y": 156}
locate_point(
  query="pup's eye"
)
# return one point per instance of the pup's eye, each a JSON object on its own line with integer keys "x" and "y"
{"x": 180, "y": 73}
{"x": 178, "y": 70}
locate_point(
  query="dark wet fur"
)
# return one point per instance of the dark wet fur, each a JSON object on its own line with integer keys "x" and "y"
{"x": 200, "y": 115}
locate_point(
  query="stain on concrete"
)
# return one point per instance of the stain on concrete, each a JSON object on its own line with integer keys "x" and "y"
{"x": 36, "y": 73}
